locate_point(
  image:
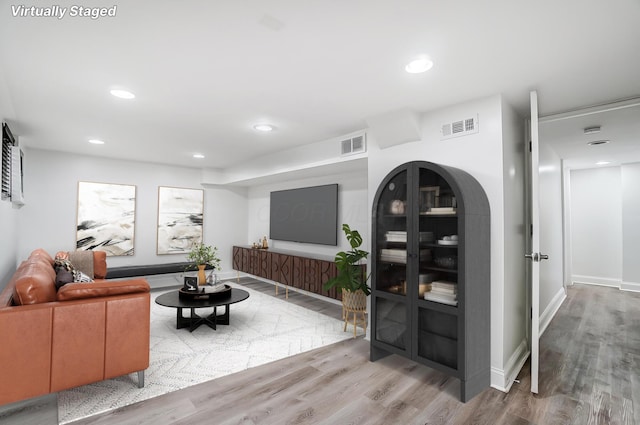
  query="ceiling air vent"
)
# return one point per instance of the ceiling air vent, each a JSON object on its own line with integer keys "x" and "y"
{"x": 353, "y": 145}
{"x": 460, "y": 128}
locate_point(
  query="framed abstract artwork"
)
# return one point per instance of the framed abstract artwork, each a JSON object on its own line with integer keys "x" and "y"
{"x": 106, "y": 218}
{"x": 180, "y": 219}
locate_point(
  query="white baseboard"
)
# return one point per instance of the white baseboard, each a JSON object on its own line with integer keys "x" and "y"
{"x": 595, "y": 280}
{"x": 614, "y": 283}
{"x": 551, "y": 310}
{"x": 630, "y": 286}
{"x": 502, "y": 380}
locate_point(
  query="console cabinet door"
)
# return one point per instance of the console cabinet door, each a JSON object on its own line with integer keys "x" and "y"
{"x": 274, "y": 264}
{"x": 286, "y": 269}
{"x": 246, "y": 266}
{"x": 264, "y": 264}
{"x": 237, "y": 258}
{"x": 327, "y": 271}
{"x": 298, "y": 272}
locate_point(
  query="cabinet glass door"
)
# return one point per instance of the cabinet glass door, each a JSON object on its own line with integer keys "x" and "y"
{"x": 437, "y": 330}
{"x": 438, "y": 240}
{"x": 391, "y": 237}
{"x": 391, "y": 262}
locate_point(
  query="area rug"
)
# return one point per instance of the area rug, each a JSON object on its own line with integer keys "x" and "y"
{"x": 262, "y": 329}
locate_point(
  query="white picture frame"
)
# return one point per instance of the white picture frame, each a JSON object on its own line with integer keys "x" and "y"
{"x": 106, "y": 218}
{"x": 180, "y": 219}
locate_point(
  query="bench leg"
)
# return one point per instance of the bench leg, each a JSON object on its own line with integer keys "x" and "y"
{"x": 141, "y": 379}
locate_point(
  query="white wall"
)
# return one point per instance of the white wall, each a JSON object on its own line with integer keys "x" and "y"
{"x": 48, "y": 220}
{"x": 353, "y": 209}
{"x": 481, "y": 155}
{"x": 596, "y": 226}
{"x": 8, "y": 215}
{"x": 631, "y": 226}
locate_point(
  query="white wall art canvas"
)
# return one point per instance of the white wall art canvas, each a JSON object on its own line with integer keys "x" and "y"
{"x": 106, "y": 218}
{"x": 180, "y": 215}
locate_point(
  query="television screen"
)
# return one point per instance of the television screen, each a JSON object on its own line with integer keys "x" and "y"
{"x": 308, "y": 215}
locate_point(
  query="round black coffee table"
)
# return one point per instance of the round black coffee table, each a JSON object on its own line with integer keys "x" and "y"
{"x": 172, "y": 299}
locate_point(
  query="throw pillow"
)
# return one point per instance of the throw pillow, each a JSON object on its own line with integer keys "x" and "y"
{"x": 63, "y": 277}
{"x": 83, "y": 261}
{"x": 62, "y": 263}
{"x": 78, "y": 276}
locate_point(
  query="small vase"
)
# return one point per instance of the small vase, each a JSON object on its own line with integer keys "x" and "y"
{"x": 202, "y": 278}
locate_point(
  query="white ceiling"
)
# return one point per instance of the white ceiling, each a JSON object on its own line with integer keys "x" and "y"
{"x": 204, "y": 72}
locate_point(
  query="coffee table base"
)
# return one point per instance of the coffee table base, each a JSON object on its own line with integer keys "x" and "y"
{"x": 194, "y": 320}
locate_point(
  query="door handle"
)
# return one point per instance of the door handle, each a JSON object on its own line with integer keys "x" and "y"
{"x": 544, "y": 257}
{"x": 533, "y": 256}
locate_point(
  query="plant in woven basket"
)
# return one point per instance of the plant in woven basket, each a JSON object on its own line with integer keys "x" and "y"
{"x": 351, "y": 276}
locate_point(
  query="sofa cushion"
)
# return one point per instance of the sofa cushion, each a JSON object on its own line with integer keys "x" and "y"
{"x": 75, "y": 291}
{"x": 34, "y": 283}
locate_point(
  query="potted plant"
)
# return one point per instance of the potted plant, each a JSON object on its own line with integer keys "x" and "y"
{"x": 202, "y": 255}
{"x": 351, "y": 278}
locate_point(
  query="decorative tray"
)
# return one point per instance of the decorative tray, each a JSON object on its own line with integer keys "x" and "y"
{"x": 202, "y": 295}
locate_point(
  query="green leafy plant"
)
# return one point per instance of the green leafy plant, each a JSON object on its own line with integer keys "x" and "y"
{"x": 351, "y": 275}
{"x": 204, "y": 254}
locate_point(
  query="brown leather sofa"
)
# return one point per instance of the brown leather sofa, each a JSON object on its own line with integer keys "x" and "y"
{"x": 83, "y": 333}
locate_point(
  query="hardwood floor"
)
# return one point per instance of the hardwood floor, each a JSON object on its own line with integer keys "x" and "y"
{"x": 590, "y": 374}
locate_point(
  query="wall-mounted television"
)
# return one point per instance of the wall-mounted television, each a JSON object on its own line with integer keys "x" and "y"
{"x": 307, "y": 215}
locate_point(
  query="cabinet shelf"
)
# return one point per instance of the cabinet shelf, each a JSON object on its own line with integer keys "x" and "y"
{"x": 433, "y": 267}
{"x": 451, "y": 338}
{"x": 436, "y": 306}
{"x": 437, "y": 245}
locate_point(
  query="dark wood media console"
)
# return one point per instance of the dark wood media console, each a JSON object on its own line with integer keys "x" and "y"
{"x": 290, "y": 269}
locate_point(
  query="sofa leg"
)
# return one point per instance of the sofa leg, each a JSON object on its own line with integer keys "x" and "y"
{"x": 141, "y": 379}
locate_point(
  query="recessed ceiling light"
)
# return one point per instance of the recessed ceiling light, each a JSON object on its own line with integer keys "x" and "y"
{"x": 264, "y": 127}
{"x": 419, "y": 65}
{"x": 96, "y": 142}
{"x": 598, "y": 142}
{"x": 198, "y": 155}
{"x": 603, "y": 162}
{"x": 592, "y": 130}
{"x": 122, "y": 94}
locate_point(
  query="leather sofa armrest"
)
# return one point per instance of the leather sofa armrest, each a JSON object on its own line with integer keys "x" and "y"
{"x": 25, "y": 332}
{"x": 77, "y": 290}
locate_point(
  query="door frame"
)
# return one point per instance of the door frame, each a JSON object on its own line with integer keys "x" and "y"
{"x": 532, "y": 239}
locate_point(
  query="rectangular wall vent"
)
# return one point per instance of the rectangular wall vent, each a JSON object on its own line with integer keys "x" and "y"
{"x": 460, "y": 128}
{"x": 353, "y": 145}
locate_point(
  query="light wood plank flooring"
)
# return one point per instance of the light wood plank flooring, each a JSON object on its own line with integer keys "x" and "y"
{"x": 590, "y": 366}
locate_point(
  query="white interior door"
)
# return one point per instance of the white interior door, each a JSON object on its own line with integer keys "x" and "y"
{"x": 533, "y": 254}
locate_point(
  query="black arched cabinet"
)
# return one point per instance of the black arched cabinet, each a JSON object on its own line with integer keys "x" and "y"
{"x": 431, "y": 272}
